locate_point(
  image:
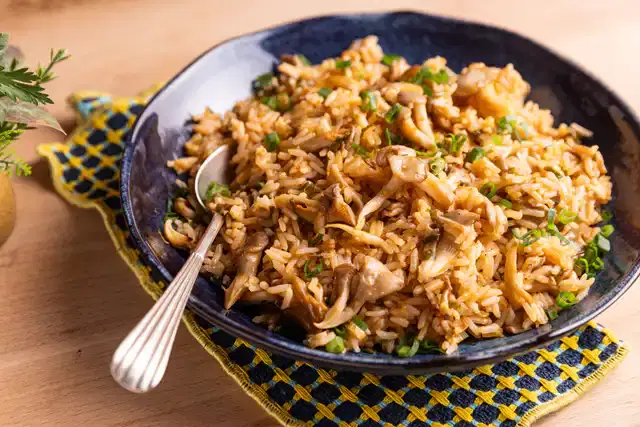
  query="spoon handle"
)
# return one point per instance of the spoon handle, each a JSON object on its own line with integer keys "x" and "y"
{"x": 140, "y": 360}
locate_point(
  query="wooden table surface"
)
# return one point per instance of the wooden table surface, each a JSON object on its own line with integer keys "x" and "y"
{"x": 66, "y": 298}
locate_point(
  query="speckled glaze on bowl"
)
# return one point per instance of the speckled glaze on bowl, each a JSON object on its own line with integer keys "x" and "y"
{"x": 223, "y": 75}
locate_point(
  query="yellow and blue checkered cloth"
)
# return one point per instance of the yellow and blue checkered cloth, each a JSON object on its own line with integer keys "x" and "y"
{"x": 85, "y": 171}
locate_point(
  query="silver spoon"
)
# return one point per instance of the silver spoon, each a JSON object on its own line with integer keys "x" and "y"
{"x": 140, "y": 360}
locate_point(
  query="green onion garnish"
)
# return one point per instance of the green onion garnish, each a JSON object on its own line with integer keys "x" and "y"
{"x": 607, "y": 230}
{"x": 324, "y": 92}
{"x": 532, "y": 236}
{"x": 603, "y": 243}
{"x": 406, "y": 351}
{"x": 597, "y": 264}
{"x": 340, "y": 331}
{"x": 475, "y": 154}
{"x": 488, "y": 190}
{"x": 496, "y": 139}
{"x": 551, "y": 219}
{"x": 427, "y": 90}
{"x": 317, "y": 270}
{"x": 369, "y": 101}
{"x": 606, "y": 216}
{"x": 341, "y": 63}
{"x": 263, "y": 81}
{"x": 425, "y": 153}
{"x": 428, "y": 346}
{"x": 581, "y": 266}
{"x": 270, "y": 101}
{"x": 424, "y": 73}
{"x": 506, "y": 203}
{"x": 392, "y": 114}
{"x": 316, "y": 239}
{"x": 566, "y": 216}
{"x": 565, "y": 299}
{"x": 215, "y": 188}
{"x": 457, "y": 141}
{"x": 272, "y": 142}
{"x": 304, "y": 60}
{"x": 360, "y": 150}
{"x": 437, "y": 165}
{"x": 335, "y": 346}
{"x": 360, "y": 323}
{"x": 388, "y": 58}
{"x": 552, "y": 313}
{"x": 554, "y": 231}
{"x": 392, "y": 138}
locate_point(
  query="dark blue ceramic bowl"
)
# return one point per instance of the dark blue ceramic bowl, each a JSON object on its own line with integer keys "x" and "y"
{"x": 223, "y": 75}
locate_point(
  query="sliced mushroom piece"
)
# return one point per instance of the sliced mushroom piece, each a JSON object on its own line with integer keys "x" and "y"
{"x": 513, "y": 280}
{"x": 311, "y": 145}
{"x": 314, "y": 308}
{"x": 301, "y": 316}
{"x": 438, "y": 190}
{"x": 374, "y": 281}
{"x": 412, "y": 132}
{"x": 177, "y": 240}
{"x": 405, "y": 97}
{"x": 337, "y": 315}
{"x": 422, "y": 120}
{"x": 376, "y": 203}
{"x": 392, "y": 91}
{"x": 306, "y": 212}
{"x": 445, "y": 253}
{"x": 248, "y": 263}
{"x": 339, "y": 210}
{"x": 458, "y": 221}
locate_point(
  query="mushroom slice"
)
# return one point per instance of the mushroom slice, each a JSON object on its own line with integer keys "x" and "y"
{"x": 375, "y": 281}
{"x": 248, "y": 263}
{"x": 376, "y": 203}
{"x": 337, "y": 315}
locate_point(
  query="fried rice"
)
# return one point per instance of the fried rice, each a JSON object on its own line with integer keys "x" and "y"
{"x": 393, "y": 207}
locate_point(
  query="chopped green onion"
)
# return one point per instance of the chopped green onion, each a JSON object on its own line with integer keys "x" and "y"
{"x": 565, "y": 299}
{"x": 591, "y": 252}
{"x": 324, "y": 92}
{"x": 475, "y": 154}
{"x": 263, "y": 81}
{"x": 215, "y": 188}
{"x": 506, "y": 203}
{"x": 316, "y": 239}
{"x": 369, "y": 101}
{"x": 360, "y": 150}
{"x": 597, "y": 264}
{"x": 425, "y": 153}
{"x": 427, "y": 90}
{"x": 566, "y": 216}
{"x": 488, "y": 190}
{"x": 603, "y": 243}
{"x": 340, "y": 331}
{"x": 440, "y": 77}
{"x": 607, "y": 230}
{"x": 360, "y": 323}
{"x": 551, "y": 219}
{"x": 552, "y": 313}
{"x": 581, "y": 266}
{"x": 430, "y": 346}
{"x": 406, "y": 351}
{"x": 509, "y": 124}
{"x": 392, "y": 138}
{"x": 606, "y": 216}
{"x": 392, "y": 114}
{"x": 304, "y": 60}
{"x": 437, "y": 165}
{"x": 341, "y": 63}
{"x": 554, "y": 231}
{"x": 270, "y": 101}
{"x": 388, "y": 58}
{"x": 272, "y": 142}
{"x": 529, "y": 237}
{"x": 496, "y": 139}
{"x": 317, "y": 270}
{"x": 457, "y": 141}
{"x": 335, "y": 346}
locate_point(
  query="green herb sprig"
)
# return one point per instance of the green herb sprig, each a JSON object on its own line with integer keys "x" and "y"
{"x": 22, "y": 96}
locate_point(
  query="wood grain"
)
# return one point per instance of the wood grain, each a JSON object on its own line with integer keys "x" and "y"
{"x": 66, "y": 298}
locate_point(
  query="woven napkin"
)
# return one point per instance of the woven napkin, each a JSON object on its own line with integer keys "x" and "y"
{"x": 85, "y": 171}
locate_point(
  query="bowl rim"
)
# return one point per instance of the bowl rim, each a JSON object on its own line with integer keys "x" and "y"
{"x": 363, "y": 361}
